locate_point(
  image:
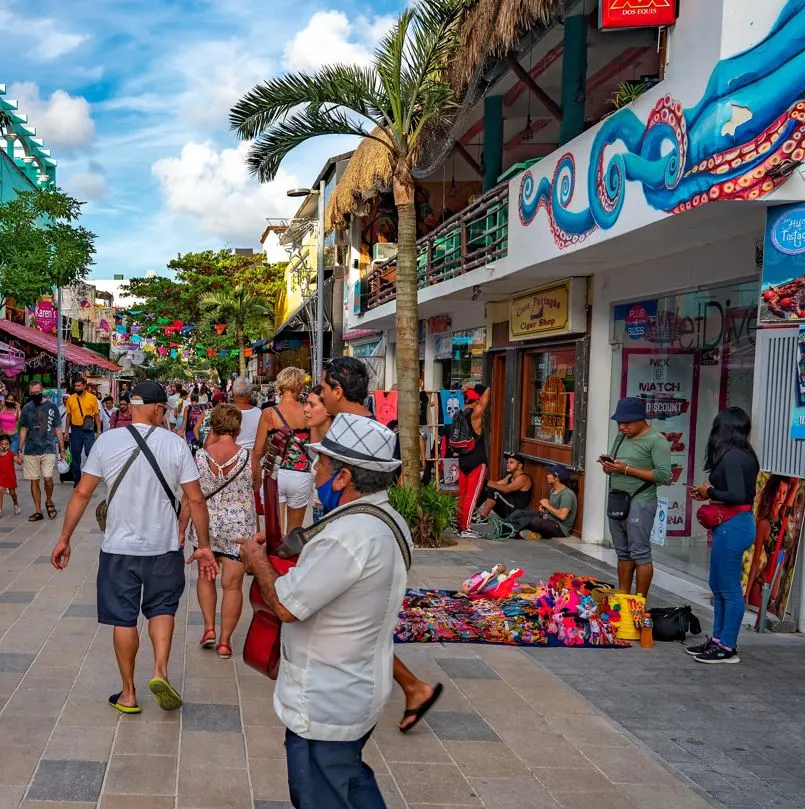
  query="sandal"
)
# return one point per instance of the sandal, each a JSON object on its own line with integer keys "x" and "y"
{"x": 36, "y": 517}
{"x": 419, "y": 712}
{"x": 114, "y": 701}
{"x": 51, "y": 510}
{"x": 224, "y": 651}
{"x": 207, "y": 639}
{"x": 166, "y": 695}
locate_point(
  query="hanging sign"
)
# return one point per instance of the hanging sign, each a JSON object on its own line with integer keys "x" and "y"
{"x": 615, "y": 14}
{"x": 783, "y": 286}
{"x": 46, "y": 316}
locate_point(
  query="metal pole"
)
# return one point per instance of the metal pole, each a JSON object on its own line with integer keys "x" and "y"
{"x": 59, "y": 347}
{"x": 320, "y": 287}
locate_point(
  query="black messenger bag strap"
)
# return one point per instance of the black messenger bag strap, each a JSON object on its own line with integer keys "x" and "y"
{"x": 149, "y": 456}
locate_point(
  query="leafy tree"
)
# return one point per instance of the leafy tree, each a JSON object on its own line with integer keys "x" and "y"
{"x": 41, "y": 246}
{"x": 245, "y": 314}
{"x": 397, "y": 100}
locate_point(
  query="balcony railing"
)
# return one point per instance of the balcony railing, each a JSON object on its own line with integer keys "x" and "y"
{"x": 472, "y": 238}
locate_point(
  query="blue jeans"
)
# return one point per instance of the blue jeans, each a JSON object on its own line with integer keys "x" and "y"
{"x": 330, "y": 775}
{"x": 80, "y": 440}
{"x": 731, "y": 539}
{"x": 15, "y": 443}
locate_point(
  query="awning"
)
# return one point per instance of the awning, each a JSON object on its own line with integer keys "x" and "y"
{"x": 359, "y": 334}
{"x": 47, "y": 342}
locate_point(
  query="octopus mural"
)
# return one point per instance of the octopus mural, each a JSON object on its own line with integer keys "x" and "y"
{"x": 750, "y": 120}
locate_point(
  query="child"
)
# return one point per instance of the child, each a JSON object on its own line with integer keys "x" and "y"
{"x": 8, "y": 475}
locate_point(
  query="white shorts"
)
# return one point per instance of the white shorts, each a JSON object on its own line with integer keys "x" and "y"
{"x": 295, "y": 489}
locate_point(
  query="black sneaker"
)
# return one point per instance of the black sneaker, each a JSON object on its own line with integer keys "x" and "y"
{"x": 718, "y": 654}
{"x": 701, "y": 648}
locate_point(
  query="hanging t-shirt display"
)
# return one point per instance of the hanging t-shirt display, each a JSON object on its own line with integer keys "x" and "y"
{"x": 450, "y": 402}
{"x": 386, "y": 406}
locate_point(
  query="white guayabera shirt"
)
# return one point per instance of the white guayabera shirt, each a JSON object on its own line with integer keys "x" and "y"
{"x": 335, "y": 676}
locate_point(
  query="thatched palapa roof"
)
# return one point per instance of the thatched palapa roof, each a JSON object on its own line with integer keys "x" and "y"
{"x": 367, "y": 175}
{"x": 369, "y": 170}
{"x": 493, "y": 28}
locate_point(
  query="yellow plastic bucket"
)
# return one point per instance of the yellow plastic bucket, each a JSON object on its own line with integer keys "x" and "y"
{"x": 631, "y": 608}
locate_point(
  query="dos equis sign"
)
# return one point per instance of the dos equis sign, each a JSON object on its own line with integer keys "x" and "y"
{"x": 636, "y": 13}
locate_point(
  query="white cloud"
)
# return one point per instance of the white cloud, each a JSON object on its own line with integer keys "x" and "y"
{"x": 216, "y": 75}
{"x": 63, "y": 121}
{"x": 330, "y": 37}
{"x": 89, "y": 185}
{"x": 215, "y": 188}
{"x": 49, "y": 41}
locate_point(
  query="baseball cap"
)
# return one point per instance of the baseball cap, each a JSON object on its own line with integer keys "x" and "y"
{"x": 561, "y": 472}
{"x": 148, "y": 392}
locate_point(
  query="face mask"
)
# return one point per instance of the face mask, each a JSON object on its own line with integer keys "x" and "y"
{"x": 328, "y": 498}
{"x": 36, "y": 398}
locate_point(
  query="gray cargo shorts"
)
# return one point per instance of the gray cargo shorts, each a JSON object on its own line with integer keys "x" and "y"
{"x": 632, "y": 536}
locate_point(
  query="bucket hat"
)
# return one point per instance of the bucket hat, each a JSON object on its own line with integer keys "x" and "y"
{"x": 629, "y": 409}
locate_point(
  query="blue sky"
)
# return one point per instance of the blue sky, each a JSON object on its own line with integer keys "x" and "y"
{"x": 132, "y": 97}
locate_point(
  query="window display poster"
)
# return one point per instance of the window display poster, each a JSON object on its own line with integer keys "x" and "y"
{"x": 772, "y": 560}
{"x": 667, "y": 382}
{"x": 798, "y": 412}
{"x": 660, "y": 528}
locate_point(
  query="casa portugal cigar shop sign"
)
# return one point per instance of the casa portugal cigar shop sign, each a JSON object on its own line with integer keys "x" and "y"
{"x": 550, "y": 310}
{"x": 614, "y": 14}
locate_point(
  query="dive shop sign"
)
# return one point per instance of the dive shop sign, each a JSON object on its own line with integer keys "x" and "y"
{"x": 614, "y": 14}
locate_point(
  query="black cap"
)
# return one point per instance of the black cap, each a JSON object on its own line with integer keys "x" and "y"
{"x": 516, "y": 455}
{"x": 560, "y": 472}
{"x": 148, "y": 392}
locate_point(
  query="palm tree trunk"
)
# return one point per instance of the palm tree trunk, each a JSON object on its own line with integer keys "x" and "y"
{"x": 241, "y": 354}
{"x": 407, "y": 335}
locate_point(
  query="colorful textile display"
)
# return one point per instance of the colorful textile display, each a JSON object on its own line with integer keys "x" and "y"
{"x": 562, "y": 612}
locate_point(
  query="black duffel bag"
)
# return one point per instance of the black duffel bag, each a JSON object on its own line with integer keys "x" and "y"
{"x": 674, "y": 623}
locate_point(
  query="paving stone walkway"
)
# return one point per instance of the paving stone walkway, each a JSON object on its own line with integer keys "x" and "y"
{"x": 516, "y": 729}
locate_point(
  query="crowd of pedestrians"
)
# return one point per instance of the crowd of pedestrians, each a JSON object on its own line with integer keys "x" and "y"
{"x": 191, "y": 467}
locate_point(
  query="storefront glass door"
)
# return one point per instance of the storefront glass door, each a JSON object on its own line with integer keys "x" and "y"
{"x": 688, "y": 356}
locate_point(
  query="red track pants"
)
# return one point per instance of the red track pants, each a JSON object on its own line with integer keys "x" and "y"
{"x": 470, "y": 486}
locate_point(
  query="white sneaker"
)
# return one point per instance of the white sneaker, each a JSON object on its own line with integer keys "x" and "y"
{"x": 469, "y": 535}
{"x": 17, "y": 510}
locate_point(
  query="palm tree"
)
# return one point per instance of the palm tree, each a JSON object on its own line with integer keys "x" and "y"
{"x": 243, "y": 313}
{"x": 398, "y": 101}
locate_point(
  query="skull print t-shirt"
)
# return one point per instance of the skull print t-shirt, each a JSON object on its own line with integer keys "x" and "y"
{"x": 41, "y": 422}
{"x": 451, "y": 401}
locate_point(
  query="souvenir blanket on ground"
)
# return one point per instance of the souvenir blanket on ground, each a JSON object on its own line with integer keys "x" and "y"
{"x": 560, "y": 613}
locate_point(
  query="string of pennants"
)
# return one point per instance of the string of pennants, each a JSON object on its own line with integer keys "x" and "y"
{"x": 154, "y": 337}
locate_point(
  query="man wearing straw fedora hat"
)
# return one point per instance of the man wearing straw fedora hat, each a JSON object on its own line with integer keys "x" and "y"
{"x": 339, "y": 607}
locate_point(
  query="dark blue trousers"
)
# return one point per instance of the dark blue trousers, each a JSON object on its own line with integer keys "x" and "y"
{"x": 80, "y": 440}
{"x": 330, "y": 775}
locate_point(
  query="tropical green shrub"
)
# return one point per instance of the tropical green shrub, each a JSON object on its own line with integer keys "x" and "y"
{"x": 427, "y": 513}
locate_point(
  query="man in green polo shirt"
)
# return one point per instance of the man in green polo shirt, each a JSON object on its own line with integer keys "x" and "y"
{"x": 638, "y": 462}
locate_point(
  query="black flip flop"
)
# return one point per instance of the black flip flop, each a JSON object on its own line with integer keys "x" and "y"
{"x": 37, "y": 516}
{"x": 421, "y": 710}
{"x": 129, "y": 709}
{"x": 51, "y": 510}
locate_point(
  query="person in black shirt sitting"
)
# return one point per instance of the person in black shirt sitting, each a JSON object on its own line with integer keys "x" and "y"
{"x": 733, "y": 468}
{"x": 508, "y": 494}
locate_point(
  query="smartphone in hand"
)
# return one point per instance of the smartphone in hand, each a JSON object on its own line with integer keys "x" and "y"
{"x": 607, "y": 459}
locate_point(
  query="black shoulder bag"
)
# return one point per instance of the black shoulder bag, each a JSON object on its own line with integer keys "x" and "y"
{"x": 149, "y": 456}
{"x": 88, "y": 422}
{"x": 618, "y": 501}
{"x": 102, "y": 509}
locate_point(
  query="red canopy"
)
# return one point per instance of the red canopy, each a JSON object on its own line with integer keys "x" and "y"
{"x": 47, "y": 342}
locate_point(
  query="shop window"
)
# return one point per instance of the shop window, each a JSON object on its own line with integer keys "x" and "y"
{"x": 550, "y": 382}
{"x": 467, "y": 364}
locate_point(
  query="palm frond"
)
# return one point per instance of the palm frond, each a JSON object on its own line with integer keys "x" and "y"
{"x": 270, "y": 148}
{"x": 389, "y": 57}
{"x": 352, "y": 87}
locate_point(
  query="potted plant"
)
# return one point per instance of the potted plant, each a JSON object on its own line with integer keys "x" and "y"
{"x": 626, "y": 93}
{"x": 428, "y": 513}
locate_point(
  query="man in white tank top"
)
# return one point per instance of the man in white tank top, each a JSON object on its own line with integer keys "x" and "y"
{"x": 241, "y": 395}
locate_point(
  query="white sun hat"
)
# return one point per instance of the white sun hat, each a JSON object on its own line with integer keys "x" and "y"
{"x": 359, "y": 441}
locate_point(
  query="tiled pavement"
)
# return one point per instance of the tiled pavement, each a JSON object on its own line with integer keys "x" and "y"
{"x": 524, "y": 729}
